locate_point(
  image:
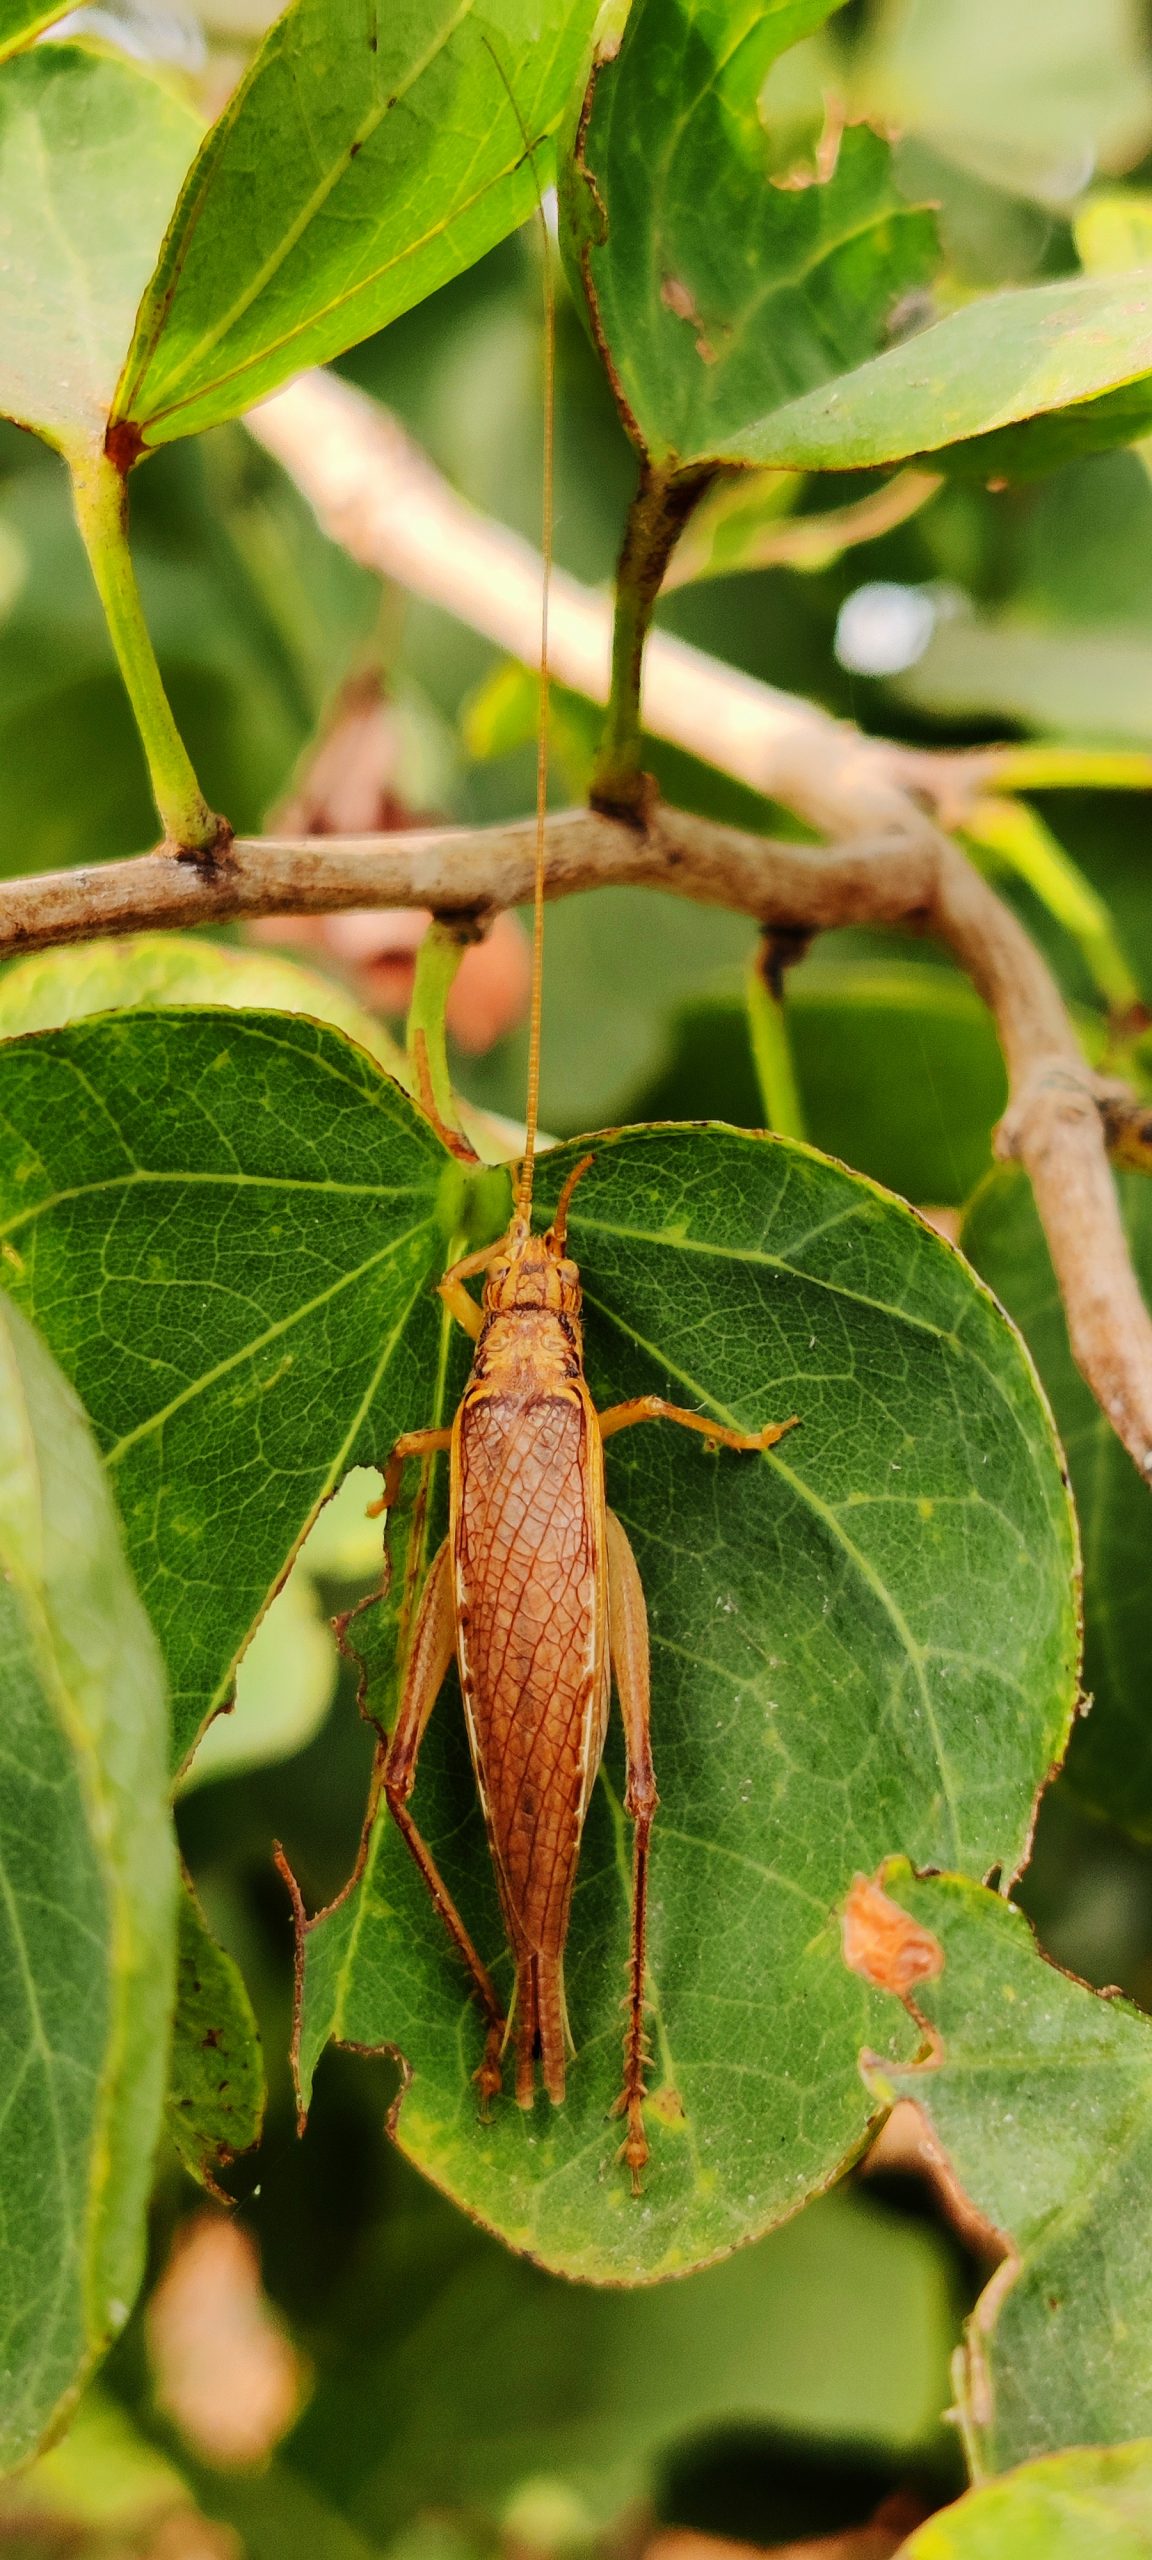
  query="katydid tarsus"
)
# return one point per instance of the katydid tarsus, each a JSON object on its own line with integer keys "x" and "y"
{"x": 535, "y": 1590}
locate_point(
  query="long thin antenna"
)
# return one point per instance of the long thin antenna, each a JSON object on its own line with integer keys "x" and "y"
{"x": 548, "y": 510}
{"x": 532, "y": 1104}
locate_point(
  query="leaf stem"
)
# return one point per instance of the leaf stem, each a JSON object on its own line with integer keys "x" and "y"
{"x": 772, "y": 1046}
{"x": 657, "y": 516}
{"x": 437, "y": 962}
{"x": 100, "y": 496}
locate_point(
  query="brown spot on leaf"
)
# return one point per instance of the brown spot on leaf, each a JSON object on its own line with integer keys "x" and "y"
{"x": 884, "y": 1944}
{"x": 676, "y": 298}
{"x": 668, "y": 2105}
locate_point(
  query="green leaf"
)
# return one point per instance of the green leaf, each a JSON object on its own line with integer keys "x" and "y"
{"x": 215, "y": 2107}
{"x": 1110, "y": 1763}
{"x": 1014, "y": 383}
{"x": 867, "y": 1637}
{"x": 88, "y": 1887}
{"x": 1040, "y": 2093}
{"x": 22, "y": 20}
{"x": 92, "y": 151}
{"x": 1070, "y": 2506}
{"x": 368, "y": 156}
{"x": 227, "y": 1227}
{"x": 110, "y": 974}
{"x": 716, "y": 294}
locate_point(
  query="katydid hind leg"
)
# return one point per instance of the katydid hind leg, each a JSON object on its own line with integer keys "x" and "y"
{"x": 433, "y": 1646}
{"x": 628, "y": 1642}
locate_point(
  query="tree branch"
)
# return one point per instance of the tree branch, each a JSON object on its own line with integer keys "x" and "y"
{"x": 384, "y": 502}
{"x": 1061, "y": 1117}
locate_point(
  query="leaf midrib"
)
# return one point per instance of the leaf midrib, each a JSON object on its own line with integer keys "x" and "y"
{"x": 140, "y": 1177}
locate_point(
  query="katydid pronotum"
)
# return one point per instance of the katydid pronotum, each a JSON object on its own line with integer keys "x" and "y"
{"x": 535, "y": 1590}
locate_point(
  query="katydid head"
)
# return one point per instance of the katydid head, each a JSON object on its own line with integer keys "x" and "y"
{"x": 537, "y": 1271}
{"x": 531, "y": 1273}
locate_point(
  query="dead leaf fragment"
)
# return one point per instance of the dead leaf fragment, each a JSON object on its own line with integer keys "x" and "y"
{"x": 223, "y": 2369}
{"x": 883, "y": 1944}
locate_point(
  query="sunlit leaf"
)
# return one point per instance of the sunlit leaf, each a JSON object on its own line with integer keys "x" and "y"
{"x": 1016, "y": 382}
{"x": 1069, "y": 2506}
{"x": 103, "y": 2478}
{"x": 92, "y": 152}
{"x": 369, "y": 155}
{"x": 107, "y": 975}
{"x": 748, "y": 523}
{"x": 1092, "y": 682}
{"x": 87, "y": 1934}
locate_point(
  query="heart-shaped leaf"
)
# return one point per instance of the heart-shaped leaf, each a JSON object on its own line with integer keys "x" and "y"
{"x": 1111, "y": 1755}
{"x": 21, "y": 20}
{"x": 716, "y": 294}
{"x": 87, "y": 1908}
{"x": 1071, "y": 2506}
{"x": 868, "y": 1635}
{"x": 1015, "y": 383}
{"x": 1040, "y": 2093}
{"x": 92, "y": 152}
{"x": 215, "y": 2105}
{"x": 227, "y": 1227}
{"x": 369, "y": 155}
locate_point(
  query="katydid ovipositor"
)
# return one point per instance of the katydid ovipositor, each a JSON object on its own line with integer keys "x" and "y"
{"x": 535, "y": 1589}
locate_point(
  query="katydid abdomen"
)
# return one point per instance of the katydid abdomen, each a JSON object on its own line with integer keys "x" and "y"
{"x": 530, "y": 1583}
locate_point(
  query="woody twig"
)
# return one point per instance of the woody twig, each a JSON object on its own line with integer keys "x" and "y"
{"x": 1062, "y": 1119}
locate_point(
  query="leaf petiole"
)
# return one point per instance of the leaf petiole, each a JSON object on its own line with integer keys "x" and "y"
{"x": 657, "y": 516}
{"x": 437, "y": 962}
{"x": 100, "y": 498}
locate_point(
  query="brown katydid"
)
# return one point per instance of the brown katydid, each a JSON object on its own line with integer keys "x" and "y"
{"x": 535, "y": 1590}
